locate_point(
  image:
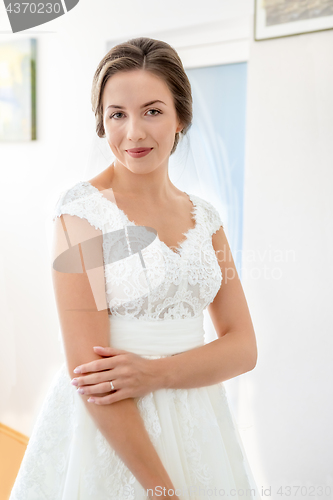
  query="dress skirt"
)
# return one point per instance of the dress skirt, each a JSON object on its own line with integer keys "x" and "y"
{"x": 192, "y": 430}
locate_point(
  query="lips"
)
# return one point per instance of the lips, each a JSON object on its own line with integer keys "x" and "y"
{"x": 138, "y": 150}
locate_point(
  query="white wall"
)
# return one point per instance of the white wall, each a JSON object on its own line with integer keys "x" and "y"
{"x": 286, "y": 408}
{"x": 288, "y": 209}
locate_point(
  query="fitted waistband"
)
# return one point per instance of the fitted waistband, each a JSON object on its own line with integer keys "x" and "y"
{"x": 156, "y": 337}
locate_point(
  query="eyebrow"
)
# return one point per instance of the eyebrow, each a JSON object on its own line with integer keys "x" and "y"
{"x": 144, "y": 105}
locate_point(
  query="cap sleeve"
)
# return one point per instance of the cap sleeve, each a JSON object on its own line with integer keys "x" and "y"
{"x": 211, "y": 217}
{"x": 79, "y": 200}
{"x": 78, "y": 241}
{"x": 214, "y": 221}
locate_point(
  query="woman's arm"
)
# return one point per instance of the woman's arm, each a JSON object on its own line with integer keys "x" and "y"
{"x": 235, "y": 350}
{"x": 83, "y": 326}
{"x": 233, "y": 353}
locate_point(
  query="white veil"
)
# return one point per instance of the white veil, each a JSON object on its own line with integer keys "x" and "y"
{"x": 99, "y": 158}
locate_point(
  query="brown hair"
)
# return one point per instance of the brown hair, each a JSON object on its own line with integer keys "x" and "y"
{"x": 152, "y": 55}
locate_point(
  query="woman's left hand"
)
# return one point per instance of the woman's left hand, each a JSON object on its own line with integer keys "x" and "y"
{"x": 132, "y": 376}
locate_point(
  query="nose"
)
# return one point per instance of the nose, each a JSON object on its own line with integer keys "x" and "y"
{"x": 135, "y": 130}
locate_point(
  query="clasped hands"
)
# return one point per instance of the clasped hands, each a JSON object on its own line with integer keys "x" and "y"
{"x": 132, "y": 376}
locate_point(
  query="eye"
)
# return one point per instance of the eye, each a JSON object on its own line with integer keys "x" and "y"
{"x": 157, "y": 111}
{"x": 115, "y": 114}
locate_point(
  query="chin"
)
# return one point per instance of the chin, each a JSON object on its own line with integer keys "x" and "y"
{"x": 141, "y": 169}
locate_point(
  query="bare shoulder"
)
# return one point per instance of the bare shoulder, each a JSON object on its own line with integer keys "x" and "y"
{"x": 101, "y": 181}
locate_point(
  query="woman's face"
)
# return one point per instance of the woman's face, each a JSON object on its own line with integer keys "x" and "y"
{"x": 131, "y": 122}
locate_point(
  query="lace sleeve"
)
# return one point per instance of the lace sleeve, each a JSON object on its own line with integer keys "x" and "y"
{"x": 80, "y": 202}
{"x": 214, "y": 221}
{"x": 78, "y": 240}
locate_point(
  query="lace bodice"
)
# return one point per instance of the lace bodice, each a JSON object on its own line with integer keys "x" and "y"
{"x": 156, "y": 283}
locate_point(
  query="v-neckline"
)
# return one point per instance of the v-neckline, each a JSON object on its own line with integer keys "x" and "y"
{"x": 187, "y": 233}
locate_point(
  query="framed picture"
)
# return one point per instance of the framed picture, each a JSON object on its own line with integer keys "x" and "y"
{"x": 280, "y": 18}
{"x": 18, "y": 90}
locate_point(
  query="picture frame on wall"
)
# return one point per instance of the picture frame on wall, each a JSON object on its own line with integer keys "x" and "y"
{"x": 18, "y": 90}
{"x": 281, "y": 18}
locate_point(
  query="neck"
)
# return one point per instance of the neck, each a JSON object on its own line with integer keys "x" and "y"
{"x": 155, "y": 185}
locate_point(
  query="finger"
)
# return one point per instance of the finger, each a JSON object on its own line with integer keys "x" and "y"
{"x": 94, "y": 378}
{"x": 94, "y": 389}
{"x": 94, "y": 366}
{"x": 109, "y": 399}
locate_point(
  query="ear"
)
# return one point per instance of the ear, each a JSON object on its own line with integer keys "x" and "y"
{"x": 180, "y": 127}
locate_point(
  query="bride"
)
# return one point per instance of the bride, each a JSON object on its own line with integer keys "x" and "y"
{"x": 139, "y": 408}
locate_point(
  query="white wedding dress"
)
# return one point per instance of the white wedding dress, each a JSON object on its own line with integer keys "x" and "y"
{"x": 193, "y": 430}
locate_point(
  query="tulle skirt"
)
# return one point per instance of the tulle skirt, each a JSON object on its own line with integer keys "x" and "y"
{"x": 193, "y": 432}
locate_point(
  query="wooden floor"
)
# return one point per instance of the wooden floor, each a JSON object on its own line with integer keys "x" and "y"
{"x": 12, "y": 448}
